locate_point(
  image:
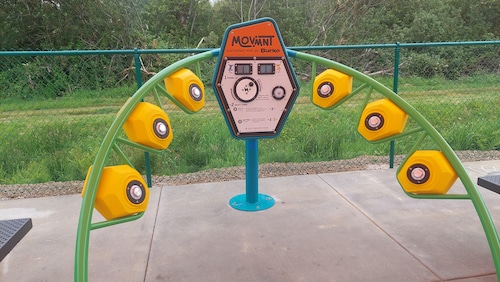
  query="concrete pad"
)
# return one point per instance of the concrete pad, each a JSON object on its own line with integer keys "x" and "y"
{"x": 311, "y": 234}
{"x": 351, "y": 226}
{"x": 121, "y": 252}
{"x": 445, "y": 235}
{"x": 47, "y": 252}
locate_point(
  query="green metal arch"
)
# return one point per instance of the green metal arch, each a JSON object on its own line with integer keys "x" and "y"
{"x": 111, "y": 140}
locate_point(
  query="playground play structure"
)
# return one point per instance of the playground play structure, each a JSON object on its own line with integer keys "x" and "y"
{"x": 256, "y": 88}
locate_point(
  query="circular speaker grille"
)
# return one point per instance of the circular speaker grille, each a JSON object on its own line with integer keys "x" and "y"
{"x": 160, "y": 128}
{"x": 136, "y": 193}
{"x": 374, "y": 121}
{"x": 279, "y": 92}
{"x": 418, "y": 173}
{"x": 195, "y": 92}
{"x": 325, "y": 89}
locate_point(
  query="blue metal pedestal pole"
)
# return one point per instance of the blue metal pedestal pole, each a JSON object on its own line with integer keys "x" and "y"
{"x": 252, "y": 200}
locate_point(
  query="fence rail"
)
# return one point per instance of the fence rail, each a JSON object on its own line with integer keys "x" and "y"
{"x": 56, "y": 106}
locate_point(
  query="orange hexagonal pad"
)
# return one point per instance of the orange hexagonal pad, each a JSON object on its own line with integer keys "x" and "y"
{"x": 427, "y": 172}
{"x": 121, "y": 192}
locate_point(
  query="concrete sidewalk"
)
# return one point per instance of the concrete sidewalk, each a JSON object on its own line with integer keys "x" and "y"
{"x": 349, "y": 226}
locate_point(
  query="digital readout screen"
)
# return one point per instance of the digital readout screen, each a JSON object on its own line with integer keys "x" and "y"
{"x": 244, "y": 69}
{"x": 266, "y": 69}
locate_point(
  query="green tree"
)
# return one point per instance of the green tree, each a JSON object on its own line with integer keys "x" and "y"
{"x": 72, "y": 24}
{"x": 480, "y": 18}
{"x": 179, "y": 23}
{"x": 429, "y": 21}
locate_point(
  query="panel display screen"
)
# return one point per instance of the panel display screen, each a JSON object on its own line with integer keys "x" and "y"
{"x": 266, "y": 69}
{"x": 244, "y": 69}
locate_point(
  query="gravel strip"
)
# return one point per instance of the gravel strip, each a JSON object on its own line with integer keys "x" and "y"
{"x": 20, "y": 191}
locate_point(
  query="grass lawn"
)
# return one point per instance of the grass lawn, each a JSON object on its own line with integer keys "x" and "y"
{"x": 57, "y": 140}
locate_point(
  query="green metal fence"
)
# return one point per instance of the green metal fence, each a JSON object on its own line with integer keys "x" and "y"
{"x": 56, "y": 106}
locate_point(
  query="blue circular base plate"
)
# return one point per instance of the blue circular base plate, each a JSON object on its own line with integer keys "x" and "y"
{"x": 240, "y": 203}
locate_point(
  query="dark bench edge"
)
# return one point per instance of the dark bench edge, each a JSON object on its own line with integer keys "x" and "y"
{"x": 16, "y": 237}
{"x": 490, "y": 182}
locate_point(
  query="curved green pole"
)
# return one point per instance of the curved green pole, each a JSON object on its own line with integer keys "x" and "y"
{"x": 85, "y": 221}
{"x": 474, "y": 196}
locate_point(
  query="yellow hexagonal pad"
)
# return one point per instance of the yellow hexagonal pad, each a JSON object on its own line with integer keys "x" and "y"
{"x": 186, "y": 88}
{"x": 121, "y": 192}
{"x": 381, "y": 119}
{"x": 427, "y": 172}
{"x": 330, "y": 87}
{"x": 149, "y": 125}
